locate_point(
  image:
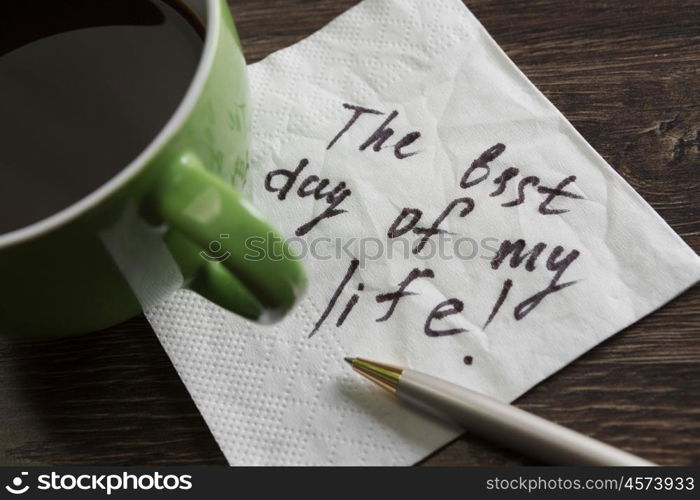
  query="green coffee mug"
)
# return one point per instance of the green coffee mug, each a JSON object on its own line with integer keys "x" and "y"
{"x": 171, "y": 219}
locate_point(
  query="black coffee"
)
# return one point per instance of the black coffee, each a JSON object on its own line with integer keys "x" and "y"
{"x": 85, "y": 86}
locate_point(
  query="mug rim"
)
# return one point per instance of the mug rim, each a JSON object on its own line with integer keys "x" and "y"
{"x": 171, "y": 127}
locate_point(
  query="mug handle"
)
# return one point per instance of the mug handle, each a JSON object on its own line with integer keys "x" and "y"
{"x": 204, "y": 214}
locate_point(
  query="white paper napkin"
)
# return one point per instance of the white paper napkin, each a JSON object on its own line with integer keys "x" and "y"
{"x": 487, "y": 137}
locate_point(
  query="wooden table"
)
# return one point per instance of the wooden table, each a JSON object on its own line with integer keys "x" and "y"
{"x": 627, "y": 75}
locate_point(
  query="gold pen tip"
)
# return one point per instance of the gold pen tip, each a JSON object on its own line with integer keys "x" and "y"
{"x": 384, "y": 375}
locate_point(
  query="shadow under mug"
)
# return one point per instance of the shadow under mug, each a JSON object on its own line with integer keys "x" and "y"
{"x": 173, "y": 218}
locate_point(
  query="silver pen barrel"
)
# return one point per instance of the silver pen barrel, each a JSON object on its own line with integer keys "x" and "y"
{"x": 507, "y": 424}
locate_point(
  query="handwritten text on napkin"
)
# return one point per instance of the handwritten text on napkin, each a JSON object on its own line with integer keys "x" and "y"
{"x": 409, "y": 219}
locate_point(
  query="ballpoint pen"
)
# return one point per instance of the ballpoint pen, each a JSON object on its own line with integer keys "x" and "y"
{"x": 501, "y": 422}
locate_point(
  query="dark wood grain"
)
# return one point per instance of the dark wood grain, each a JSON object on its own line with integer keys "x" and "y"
{"x": 627, "y": 75}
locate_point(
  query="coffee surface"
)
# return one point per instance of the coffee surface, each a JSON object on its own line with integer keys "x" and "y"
{"x": 85, "y": 86}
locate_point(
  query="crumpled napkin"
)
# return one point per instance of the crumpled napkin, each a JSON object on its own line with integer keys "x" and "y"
{"x": 514, "y": 246}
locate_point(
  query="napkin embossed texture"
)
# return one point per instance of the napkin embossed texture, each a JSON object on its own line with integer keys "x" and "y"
{"x": 472, "y": 140}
